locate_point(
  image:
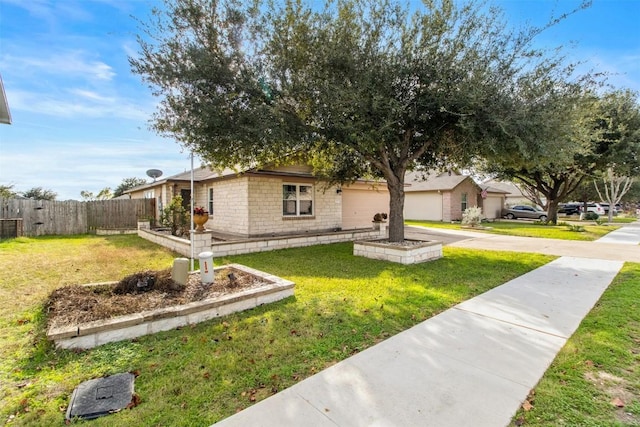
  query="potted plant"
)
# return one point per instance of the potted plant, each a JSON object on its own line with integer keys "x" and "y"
{"x": 378, "y": 220}
{"x": 200, "y": 218}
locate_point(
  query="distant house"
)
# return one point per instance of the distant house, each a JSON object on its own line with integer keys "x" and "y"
{"x": 444, "y": 196}
{"x": 271, "y": 200}
{"x": 512, "y": 193}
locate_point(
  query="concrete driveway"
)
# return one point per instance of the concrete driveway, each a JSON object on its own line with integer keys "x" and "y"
{"x": 628, "y": 250}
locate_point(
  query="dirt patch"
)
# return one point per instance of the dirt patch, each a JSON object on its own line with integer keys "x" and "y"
{"x": 143, "y": 291}
{"x": 617, "y": 392}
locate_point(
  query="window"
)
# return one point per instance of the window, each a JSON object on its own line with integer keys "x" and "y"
{"x": 149, "y": 194}
{"x": 210, "y": 201}
{"x": 464, "y": 203}
{"x": 297, "y": 200}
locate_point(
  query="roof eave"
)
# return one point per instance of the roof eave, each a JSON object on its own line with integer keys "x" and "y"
{"x": 5, "y": 114}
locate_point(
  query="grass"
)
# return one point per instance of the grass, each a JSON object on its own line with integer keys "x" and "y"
{"x": 198, "y": 375}
{"x": 529, "y": 229}
{"x": 622, "y": 219}
{"x": 599, "y": 364}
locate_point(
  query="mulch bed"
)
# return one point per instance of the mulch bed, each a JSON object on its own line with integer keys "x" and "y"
{"x": 148, "y": 290}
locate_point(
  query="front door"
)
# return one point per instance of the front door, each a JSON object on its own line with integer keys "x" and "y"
{"x": 186, "y": 199}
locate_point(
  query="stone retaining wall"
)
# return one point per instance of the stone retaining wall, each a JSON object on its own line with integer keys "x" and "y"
{"x": 411, "y": 254}
{"x": 204, "y": 241}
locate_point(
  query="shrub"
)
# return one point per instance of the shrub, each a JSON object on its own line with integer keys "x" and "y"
{"x": 472, "y": 216}
{"x": 576, "y": 228}
{"x": 175, "y": 217}
{"x": 591, "y": 216}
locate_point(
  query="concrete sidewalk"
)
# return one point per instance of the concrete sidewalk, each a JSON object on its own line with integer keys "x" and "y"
{"x": 472, "y": 365}
{"x": 619, "y": 245}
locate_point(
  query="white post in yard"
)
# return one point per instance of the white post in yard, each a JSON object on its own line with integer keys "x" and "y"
{"x": 191, "y": 227}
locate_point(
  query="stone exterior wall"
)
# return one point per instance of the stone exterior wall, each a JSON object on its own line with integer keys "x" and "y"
{"x": 265, "y": 208}
{"x": 446, "y": 206}
{"x": 455, "y": 202}
{"x": 230, "y": 205}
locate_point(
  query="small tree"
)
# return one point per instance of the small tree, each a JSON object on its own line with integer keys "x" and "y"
{"x": 7, "y": 192}
{"x": 39, "y": 193}
{"x": 104, "y": 194}
{"x": 614, "y": 187}
{"x": 128, "y": 184}
{"x": 174, "y": 215}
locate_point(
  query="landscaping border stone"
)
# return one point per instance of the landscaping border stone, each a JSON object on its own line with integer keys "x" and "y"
{"x": 413, "y": 252}
{"x": 92, "y": 334}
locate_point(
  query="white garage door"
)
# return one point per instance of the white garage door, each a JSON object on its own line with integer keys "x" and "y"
{"x": 492, "y": 207}
{"x": 423, "y": 205}
{"x": 359, "y": 206}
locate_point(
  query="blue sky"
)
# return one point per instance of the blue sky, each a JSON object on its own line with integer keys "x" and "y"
{"x": 80, "y": 116}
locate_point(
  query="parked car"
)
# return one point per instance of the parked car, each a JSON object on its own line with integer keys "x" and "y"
{"x": 605, "y": 206}
{"x": 524, "y": 211}
{"x": 569, "y": 209}
{"x": 593, "y": 207}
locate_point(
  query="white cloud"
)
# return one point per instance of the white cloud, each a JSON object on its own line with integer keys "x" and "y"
{"x": 69, "y": 64}
{"x": 80, "y": 103}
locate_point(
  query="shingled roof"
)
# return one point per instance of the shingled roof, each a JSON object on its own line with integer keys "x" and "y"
{"x": 433, "y": 181}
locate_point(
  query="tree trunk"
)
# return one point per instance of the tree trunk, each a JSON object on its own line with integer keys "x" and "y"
{"x": 396, "y": 209}
{"x": 552, "y": 211}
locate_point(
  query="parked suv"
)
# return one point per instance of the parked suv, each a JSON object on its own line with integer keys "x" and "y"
{"x": 605, "y": 206}
{"x": 569, "y": 208}
{"x": 593, "y": 207}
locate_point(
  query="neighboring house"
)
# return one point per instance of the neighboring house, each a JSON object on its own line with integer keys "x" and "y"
{"x": 513, "y": 194}
{"x": 271, "y": 201}
{"x": 444, "y": 196}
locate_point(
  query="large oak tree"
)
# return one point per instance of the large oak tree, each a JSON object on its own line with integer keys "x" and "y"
{"x": 355, "y": 87}
{"x": 576, "y": 135}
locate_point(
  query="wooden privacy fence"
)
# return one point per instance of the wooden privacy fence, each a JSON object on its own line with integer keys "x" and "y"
{"x": 43, "y": 217}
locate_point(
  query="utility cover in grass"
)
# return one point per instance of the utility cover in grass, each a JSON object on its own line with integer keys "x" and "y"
{"x": 102, "y": 396}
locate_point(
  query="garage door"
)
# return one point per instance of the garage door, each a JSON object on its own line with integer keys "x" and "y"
{"x": 423, "y": 206}
{"x": 492, "y": 207}
{"x": 360, "y": 205}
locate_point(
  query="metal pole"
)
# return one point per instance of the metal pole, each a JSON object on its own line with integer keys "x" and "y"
{"x": 192, "y": 231}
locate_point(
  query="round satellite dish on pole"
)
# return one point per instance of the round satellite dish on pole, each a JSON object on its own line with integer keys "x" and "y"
{"x": 154, "y": 173}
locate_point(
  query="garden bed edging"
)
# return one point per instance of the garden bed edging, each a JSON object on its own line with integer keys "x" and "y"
{"x": 92, "y": 334}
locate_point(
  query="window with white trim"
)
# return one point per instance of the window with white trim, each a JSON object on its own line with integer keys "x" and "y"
{"x": 464, "y": 204}
{"x": 149, "y": 194}
{"x": 297, "y": 200}
{"x": 210, "y": 201}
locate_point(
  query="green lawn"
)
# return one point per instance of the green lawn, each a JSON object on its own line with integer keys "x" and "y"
{"x": 590, "y": 231}
{"x": 598, "y": 369}
{"x": 198, "y": 375}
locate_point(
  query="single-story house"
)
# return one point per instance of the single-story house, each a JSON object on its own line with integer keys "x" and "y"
{"x": 513, "y": 193}
{"x": 444, "y": 196}
{"x": 272, "y": 200}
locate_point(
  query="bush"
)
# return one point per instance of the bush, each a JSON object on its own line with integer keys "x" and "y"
{"x": 175, "y": 217}
{"x": 472, "y": 216}
{"x": 591, "y": 216}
